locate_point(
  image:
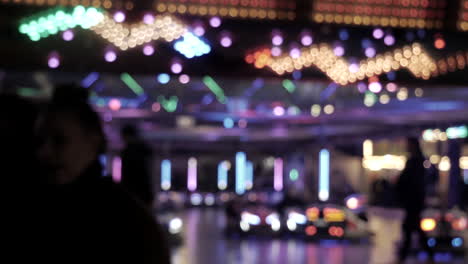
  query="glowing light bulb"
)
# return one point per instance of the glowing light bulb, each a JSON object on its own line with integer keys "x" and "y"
{"x": 277, "y": 40}
{"x": 119, "y": 17}
{"x": 184, "y": 79}
{"x": 378, "y": 33}
{"x": 295, "y": 53}
{"x": 389, "y": 40}
{"x": 226, "y": 41}
{"x": 375, "y": 87}
{"x": 53, "y": 61}
{"x": 276, "y": 51}
{"x": 68, "y": 35}
{"x": 370, "y": 52}
{"x": 148, "y": 50}
{"x": 215, "y": 22}
{"x": 339, "y": 50}
{"x": 110, "y": 56}
{"x": 278, "y": 111}
{"x": 199, "y": 30}
{"x": 307, "y": 40}
{"x": 176, "y": 67}
{"x": 148, "y": 19}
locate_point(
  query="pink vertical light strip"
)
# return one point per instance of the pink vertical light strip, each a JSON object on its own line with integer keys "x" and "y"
{"x": 192, "y": 175}
{"x": 117, "y": 169}
{"x": 278, "y": 177}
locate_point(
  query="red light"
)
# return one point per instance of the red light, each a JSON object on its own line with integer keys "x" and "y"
{"x": 311, "y": 230}
{"x": 336, "y": 231}
{"x": 459, "y": 224}
{"x": 439, "y": 43}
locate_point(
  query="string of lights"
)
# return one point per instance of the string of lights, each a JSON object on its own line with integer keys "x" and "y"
{"x": 253, "y": 9}
{"x": 120, "y": 35}
{"x": 394, "y": 13}
{"x": 414, "y": 58}
{"x": 129, "y": 36}
{"x": 51, "y": 23}
{"x": 106, "y": 4}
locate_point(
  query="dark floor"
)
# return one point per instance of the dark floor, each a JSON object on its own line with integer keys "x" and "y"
{"x": 204, "y": 243}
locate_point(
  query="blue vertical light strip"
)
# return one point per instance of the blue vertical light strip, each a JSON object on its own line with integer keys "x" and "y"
{"x": 249, "y": 175}
{"x": 324, "y": 175}
{"x": 222, "y": 176}
{"x": 241, "y": 160}
{"x": 166, "y": 175}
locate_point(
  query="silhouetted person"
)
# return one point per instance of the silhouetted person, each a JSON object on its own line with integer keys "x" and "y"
{"x": 89, "y": 219}
{"x": 411, "y": 194}
{"x": 136, "y": 177}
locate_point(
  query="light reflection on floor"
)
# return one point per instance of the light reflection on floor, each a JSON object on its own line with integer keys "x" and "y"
{"x": 204, "y": 243}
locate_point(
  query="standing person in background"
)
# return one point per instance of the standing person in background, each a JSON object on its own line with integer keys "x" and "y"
{"x": 411, "y": 194}
{"x": 87, "y": 218}
{"x": 136, "y": 176}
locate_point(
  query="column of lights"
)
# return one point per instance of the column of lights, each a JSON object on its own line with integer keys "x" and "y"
{"x": 414, "y": 58}
{"x": 463, "y": 16}
{"x": 107, "y": 4}
{"x": 396, "y": 13}
{"x": 253, "y": 9}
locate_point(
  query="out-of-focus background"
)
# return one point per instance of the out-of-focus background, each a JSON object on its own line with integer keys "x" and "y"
{"x": 277, "y": 126}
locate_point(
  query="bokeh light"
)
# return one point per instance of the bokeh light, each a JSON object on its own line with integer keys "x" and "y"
{"x": 391, "y": 87}
{"x": 68, "y": 35}
{"x": 378, "y": 33}
{"x": 110, "y": 56}
{"x": 242, "y": 123}
{"x": 215, "y": 22}
{"x": 276, "y": 51}
{"x": 226, "y": 41}
{"x": 148, "y": 19}
{"x": 389, "y": 40}
{"x": 307, "y": 40}
{"x": 119, "y": 17}
{"x": 53, "y": 60}
{"x": 329, "y": 109}
{"x": 115, "y": 104}
{"x": 315, "y": 110}
{"x": 278, "y": 111}
{"x": 375, "y": 87}
{"x": 199, "y": 30}
{"x": 228, "y": 123}
{"x": 184, "y": 79}
{"x": 164, "y": 78}
{"x": 148, "y": 50}
{"x": 419, "y": 92}
{"x": 439, "y": 43}
{"x": 277, "y": 39}
{"x": 384, "y": 99}
{"x": 176, "y": 67}
{"x": 370, "y": 52}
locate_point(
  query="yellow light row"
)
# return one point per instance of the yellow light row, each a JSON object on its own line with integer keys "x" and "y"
{"x": 96, "y": 3}
{"x": 130, "y": 36}
{"x": 207, "y": 10}
{"x": 413, "y": 58}
{"x": 388, "y": 162}
{"x": 383, "y": 21}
